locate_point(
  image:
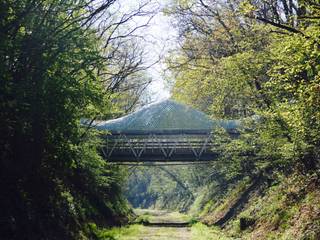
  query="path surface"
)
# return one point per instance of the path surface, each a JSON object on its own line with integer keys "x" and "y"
{"x": 160, "y": 226}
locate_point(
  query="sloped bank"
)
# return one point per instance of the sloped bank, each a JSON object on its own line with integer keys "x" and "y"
{"x": 289, "y": 208}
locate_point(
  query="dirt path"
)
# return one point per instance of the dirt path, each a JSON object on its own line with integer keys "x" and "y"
{"x": 163, "y": 226}
{"x": 161, "y": 233}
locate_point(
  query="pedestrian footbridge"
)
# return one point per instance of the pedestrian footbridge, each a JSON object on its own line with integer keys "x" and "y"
{"x": 162, "y": 132}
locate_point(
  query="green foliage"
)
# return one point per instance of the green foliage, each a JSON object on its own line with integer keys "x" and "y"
{"x": 52, "y": 178}
{"x": 261, "y": 73}
{"x": 265, "y": 73}
{"x": 193, "y": 221}
{"x": 294, "y": 90}
{"x": 163, "y": 187}
{"x": 282, "y": 212}
{"x": 142, "y": 219}
{"x": 202, "y": 232}
{"x": 112, "y": 233}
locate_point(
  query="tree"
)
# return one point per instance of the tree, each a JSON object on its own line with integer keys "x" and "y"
{"x": 257, "y": 62}
{"x": 55, "y": 56}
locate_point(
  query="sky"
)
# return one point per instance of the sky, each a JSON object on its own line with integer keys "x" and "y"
{"x": 164, "y": 35}
{"x": 160, "y": 36}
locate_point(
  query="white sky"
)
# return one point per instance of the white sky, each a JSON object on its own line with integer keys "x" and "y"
{"x": 160, "y": 36}
{"x": 163, "y": 38}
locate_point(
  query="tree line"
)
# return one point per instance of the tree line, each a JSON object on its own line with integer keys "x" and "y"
{"x": 62, "y": 61}
{"x": 257, "y": 61}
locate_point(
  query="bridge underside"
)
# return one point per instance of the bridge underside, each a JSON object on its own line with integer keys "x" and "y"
{"x": 160, "y": 146}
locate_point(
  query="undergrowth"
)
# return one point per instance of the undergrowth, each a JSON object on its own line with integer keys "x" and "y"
{"x": 113, "y": 233}
{"x": 290, "y": 209}
{"x": 200, "y": 231}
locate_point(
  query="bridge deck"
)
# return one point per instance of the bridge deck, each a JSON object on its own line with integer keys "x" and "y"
{"x": 160, "y": 146}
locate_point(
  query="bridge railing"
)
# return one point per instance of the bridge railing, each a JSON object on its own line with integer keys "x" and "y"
{"x": 173, "y": 145}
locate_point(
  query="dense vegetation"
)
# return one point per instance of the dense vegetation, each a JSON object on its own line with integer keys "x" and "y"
{"x": 257, "y": 61}
{"x": 242, "y": 67}
{"x": 59, "y": 65}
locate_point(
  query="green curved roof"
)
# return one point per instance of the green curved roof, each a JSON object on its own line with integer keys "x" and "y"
{"x": 165, "y": 115}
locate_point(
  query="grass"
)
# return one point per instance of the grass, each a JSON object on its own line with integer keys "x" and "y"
{"x": 288, "y": 210}
{"x": 142, "y": 219}
{"x": 215, "y": 210}
{"x": 200, "y": 231}
{"x": 196, "y": 231}
{"x": 114, "y": 233}
{"x": 153, "y": 215}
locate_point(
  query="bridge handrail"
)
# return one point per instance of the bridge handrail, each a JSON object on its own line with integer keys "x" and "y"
{"x": 169, "y": 132}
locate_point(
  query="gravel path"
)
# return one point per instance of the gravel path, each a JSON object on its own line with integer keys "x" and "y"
{"x": 161, "y": 232}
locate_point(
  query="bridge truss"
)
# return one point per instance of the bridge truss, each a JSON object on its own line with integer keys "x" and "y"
{"x": 160, "y": 146}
